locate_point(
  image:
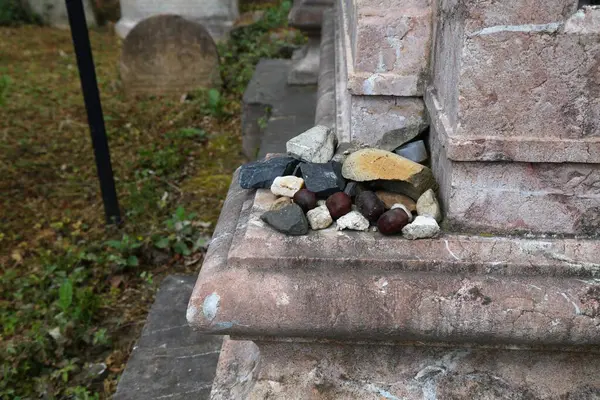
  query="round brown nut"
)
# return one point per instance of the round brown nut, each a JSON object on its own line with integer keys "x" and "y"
{"x": 306, "y": 199}
{"x": 369, "y": 205}
{"x": 339, "y": 204}
{"x": 392, "y": 221}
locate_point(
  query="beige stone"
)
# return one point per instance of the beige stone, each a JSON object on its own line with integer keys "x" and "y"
{"x": 390, "y": 198}
{"x": 286, "y": 185}
{"x": 428, "y": 205}
{"x": 353, "y": 221}
{"x": 168, "y": 55}
{"x": 319, "y": 218}
{"x": 374, "y": 164}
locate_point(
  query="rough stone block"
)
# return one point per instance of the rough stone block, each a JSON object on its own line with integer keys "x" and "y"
{"x": 386, "y": 122}
{"x": 305, "y": 64}
{"x": 307, "y": 15}
{"x": 526, "y": 92}
{"x": 387, "y": 46}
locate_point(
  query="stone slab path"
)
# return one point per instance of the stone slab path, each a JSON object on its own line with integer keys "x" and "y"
{"x": 170, "y": 360}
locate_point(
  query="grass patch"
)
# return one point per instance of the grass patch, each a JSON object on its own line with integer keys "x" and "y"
{"x": 74, "y": 293}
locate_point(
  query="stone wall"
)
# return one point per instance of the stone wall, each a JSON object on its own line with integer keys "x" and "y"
{"x": 514, "y": 102}
{"x": 518, "y": 81}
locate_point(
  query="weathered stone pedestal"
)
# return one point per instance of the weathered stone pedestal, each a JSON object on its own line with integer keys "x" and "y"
{"x": 356, "y": 315}
{"x": 514, "y": 101}
{"x": 511, "y": 92}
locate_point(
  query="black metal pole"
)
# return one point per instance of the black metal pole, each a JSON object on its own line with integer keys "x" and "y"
{"x": 91, "y": 96}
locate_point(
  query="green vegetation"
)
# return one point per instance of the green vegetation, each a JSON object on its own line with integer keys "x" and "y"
{"x": 73, "y": 292}
{"x": 249, "y": 45}
{"x": 13, "y": 12}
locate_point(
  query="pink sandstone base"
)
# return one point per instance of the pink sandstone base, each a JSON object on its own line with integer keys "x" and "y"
{"x": 337, "y": 315}
{"x": 318, "y": 371}
{"x": 533, "y": 292}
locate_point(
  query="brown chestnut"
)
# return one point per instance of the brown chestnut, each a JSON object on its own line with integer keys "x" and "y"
{"x": 392, "y": 221}
{"x": 339, "y": 204}
{"x": 369, "y": 205}
{"x": 306, "y": 199}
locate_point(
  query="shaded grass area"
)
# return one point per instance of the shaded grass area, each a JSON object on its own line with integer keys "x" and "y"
{"x": 73, "y": 293}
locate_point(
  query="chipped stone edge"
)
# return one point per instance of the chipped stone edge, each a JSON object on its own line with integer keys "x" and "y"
{"x": 259, "y": 296}
{"x": 216, "y": 256}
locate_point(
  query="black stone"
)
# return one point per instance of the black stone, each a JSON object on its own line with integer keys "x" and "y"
{"x": 323, "y": 179}
{"x": 353, "y": 189}
{"x": 261, "y": 174}
{"x": 289, "y": 220}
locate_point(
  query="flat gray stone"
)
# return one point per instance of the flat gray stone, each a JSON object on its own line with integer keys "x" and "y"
{"x": 414, "y": 151}
{"x": 170, "y": 360}
{"x": 316, "y": 145}
{"x": 289, "y": 220}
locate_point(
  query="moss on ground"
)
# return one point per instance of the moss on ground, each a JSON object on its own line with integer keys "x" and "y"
{"x": 73, "y": 291}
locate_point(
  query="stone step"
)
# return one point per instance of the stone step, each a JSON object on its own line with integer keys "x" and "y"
{"x": 170, "y": 360}
{"x": 319, "y": 371}
{"x": 273, "y": 111}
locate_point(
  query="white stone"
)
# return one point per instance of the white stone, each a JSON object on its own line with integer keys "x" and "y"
{"x": 354, "y": 221}
{"x": 421, "y": 228}
{"x": 321, "y": 202}
{"x": 286, "y": 185}
{"x": 406, "y": 210}
{"x": 319, "y": 218}
{"x": 315, "y": 145}
{"x": 428, "y": 205}
{"x": 217, "y": 16}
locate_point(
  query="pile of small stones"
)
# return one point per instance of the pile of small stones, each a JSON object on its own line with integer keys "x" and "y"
{"x": 356, "y": 187}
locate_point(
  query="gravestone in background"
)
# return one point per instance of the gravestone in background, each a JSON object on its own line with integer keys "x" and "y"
{"x": 54, "y": 12}
{"x": 216, "y": 16}
{"x": 168, "y": 55}
{"x": 307, "y": 15}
